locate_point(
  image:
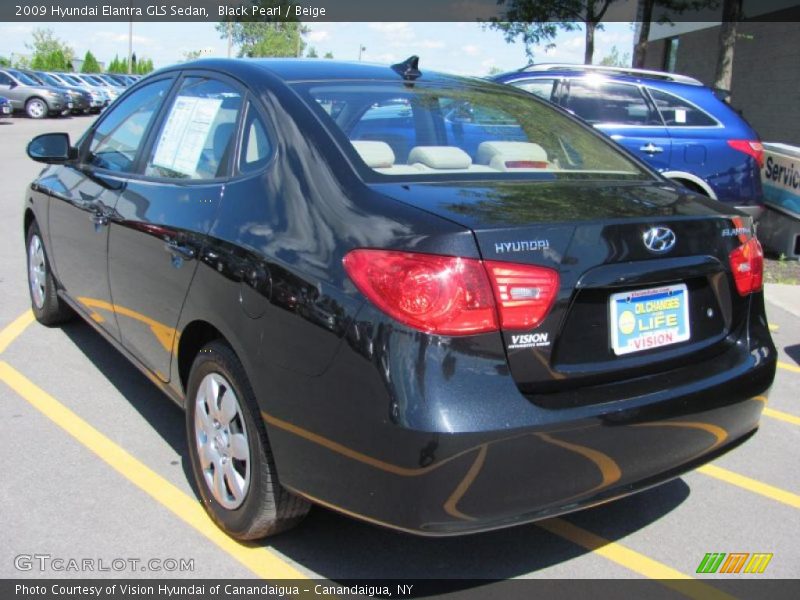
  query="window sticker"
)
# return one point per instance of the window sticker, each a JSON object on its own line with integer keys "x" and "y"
{"x": 680, "y": 115}
{"x": 185, "y": 133}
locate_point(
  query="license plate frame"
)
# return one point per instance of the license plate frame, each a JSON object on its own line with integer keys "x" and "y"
{"x": 662, "y": 320}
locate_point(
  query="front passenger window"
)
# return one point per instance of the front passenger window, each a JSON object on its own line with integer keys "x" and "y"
{"x": 197, "y": 136}
{"x": 116, "y": 141}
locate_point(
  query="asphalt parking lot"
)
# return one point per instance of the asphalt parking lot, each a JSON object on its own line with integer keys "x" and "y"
{"x": 97, "y": 469}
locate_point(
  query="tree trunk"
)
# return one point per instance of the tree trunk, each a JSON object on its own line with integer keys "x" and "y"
{"x": 589, "y": 53}
{"x": 644, "y": 16}
{"x": 731, "y": 15}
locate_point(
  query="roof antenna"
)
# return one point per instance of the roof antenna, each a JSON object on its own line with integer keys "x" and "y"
{"x": 408, "y": 68}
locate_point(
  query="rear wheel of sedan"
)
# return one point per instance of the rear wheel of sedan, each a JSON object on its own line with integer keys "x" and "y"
{"x": 36, "y": 108}
{"x": 48, "y": 308}
{"x": 230, "y": 455}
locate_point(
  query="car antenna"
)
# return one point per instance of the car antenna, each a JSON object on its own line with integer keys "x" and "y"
{"x": 408, "y": 69}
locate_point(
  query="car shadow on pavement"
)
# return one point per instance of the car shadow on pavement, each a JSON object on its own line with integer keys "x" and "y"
{"x": 163, "y": 415}
{"x": 341, "y": 548}
{"x": 793, "y": 352}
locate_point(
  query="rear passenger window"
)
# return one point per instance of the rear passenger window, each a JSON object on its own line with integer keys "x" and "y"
{"x": 197, "y": 136}
{"x": 256, "y": 147}
{"x": 679, "y": 113}
{"x": 598, "y": 101}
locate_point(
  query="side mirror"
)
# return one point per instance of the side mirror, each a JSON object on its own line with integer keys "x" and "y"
{"x": 12, "y": 84}
{"x": 51, "y": 148}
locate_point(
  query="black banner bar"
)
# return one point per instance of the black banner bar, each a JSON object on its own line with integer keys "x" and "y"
{"x": 340, "y": 10}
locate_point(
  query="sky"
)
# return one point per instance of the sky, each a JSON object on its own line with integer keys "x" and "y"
{"x": 461, "y": 48}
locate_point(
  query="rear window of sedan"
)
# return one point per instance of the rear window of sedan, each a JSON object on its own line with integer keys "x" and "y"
{"x": 418, "y": 130}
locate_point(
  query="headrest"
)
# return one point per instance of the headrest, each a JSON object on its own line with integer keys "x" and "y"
{"x": 497, "y": 154}
{"x": 440, "y": 157}
{"x": 376, "y": 154}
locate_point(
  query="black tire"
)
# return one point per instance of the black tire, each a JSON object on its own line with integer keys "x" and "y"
{"x": 36, "y": 108}
{"x": 52, "y": 310}
{"x": 267, "y": 508}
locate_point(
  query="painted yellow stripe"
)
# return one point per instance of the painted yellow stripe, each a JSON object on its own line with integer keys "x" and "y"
{"x": 788, "y": 367}
{"x": 782, "y": 416}
{"x": 751, "y": 485}
{"x": 261, "y": 561}
{"x": 14, "y": 329}
{"x": 630, "y": 559}
{"x": 773, "y": 328}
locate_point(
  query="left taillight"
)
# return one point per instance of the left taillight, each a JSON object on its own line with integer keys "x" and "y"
{"x": 438, "y": 294}
{"x": 752, "y": 148}
{"x": 747, "y": 267}
{"x": 453, "y": 296}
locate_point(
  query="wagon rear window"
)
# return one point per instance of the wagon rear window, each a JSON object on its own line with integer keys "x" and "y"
{"x": 397, "y": 130}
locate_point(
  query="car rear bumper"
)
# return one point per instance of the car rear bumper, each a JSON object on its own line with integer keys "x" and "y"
{"x": 436, "y": 453}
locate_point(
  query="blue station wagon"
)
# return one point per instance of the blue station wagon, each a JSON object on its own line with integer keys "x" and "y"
{"x": 673, "y": 122}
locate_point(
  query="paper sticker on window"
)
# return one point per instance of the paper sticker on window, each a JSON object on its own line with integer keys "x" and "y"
{"x": 680, "y": 115}
{"x": 185, "y": 133}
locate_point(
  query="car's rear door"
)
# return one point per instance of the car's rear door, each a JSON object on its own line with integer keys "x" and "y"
{"x": 622, "y": 111}
{"x": 165, "y": 212}
{"x": 84, "y": 196}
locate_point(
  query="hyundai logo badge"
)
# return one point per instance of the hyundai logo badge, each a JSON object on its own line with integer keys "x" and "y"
{"x": 659, "y": 239}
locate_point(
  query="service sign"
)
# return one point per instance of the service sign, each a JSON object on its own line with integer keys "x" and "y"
{"x": 646, "y": 319}
{"x": 781, "y": 177}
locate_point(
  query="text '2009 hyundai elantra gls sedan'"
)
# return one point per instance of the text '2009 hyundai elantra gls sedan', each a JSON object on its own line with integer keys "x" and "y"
{"x": 430, "y": 302}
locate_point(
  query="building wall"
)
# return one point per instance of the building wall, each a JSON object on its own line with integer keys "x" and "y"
{"x": 766, "y": 71}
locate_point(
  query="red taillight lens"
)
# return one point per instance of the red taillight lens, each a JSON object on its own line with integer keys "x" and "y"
{"x": 747, "y": 266}
{"x": 448, "y": 295}
{"x": 524, "y": 293}
{"x": 438, "y": 294}
{"x": 752, "y": 148}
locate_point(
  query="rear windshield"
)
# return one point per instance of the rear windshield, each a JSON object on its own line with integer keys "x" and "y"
{"x": 408, "y": 131}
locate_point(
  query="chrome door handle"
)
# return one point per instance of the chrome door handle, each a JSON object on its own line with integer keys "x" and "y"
{"x": 651, "y": 149}
{"x": 174, "y": 248}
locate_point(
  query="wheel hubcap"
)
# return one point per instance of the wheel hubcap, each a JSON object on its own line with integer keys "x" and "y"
{"x": 221, "y": 439}
{"x": 37, "y": 109}
{"x": 37, "y": 272}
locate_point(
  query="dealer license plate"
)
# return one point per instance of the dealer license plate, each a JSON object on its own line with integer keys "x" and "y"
{"x": 6, "y": 110}
{"x": 646, "y": 319}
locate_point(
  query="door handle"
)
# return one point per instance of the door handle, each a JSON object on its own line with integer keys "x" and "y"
{"x": 651, "y": 149}
{"x": 176, "y": 249}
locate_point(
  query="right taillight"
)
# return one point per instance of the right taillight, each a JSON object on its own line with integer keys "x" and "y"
{"x": 752, "y": 148}
{"x": 747, "y": 266}
{"x": 524, "y": 293}
{"x": 449, "y": 295}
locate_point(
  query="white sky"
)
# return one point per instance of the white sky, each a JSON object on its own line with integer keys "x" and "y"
{"x": 464, "y": 48}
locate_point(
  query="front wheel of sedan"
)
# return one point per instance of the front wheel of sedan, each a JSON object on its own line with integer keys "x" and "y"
{"x": 48, "y": 308}
{"x": 230, "y": 455}
{"x": 36, "y": 108}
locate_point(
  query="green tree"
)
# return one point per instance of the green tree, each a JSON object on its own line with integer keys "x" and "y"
{"x": 312, "y": 53}
{"x": 192, "y": 55}
{"x": 538, "y": 21}
{"x": 259, "y": 38}
{"x": 90, "y": 64}
{"x": 48, "y": 52}
{"x": 144, "y": 66}
{"x": 4, "y": 62}
{"x": 614, "y": 59}
{"x": 494, "y": 70}
{"x": 328, "y": 55}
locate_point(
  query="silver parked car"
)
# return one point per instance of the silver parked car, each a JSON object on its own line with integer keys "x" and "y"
{"x": 37, "y": 100}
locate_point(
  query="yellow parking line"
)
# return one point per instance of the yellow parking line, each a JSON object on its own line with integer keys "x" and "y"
{"x": 788, "y": 367}
{"x": 630, "y": 559}
{"x": 261, "y": 561}
{"x": 13, "y": 330}
{"x": 783, "y": 416}
{"x": 751, "y": 485}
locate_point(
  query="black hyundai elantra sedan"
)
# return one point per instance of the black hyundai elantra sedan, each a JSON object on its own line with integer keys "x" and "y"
{"x": 430, "y": 302}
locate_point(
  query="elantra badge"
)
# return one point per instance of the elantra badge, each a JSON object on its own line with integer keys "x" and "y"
{"x": 659, "y": 239}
